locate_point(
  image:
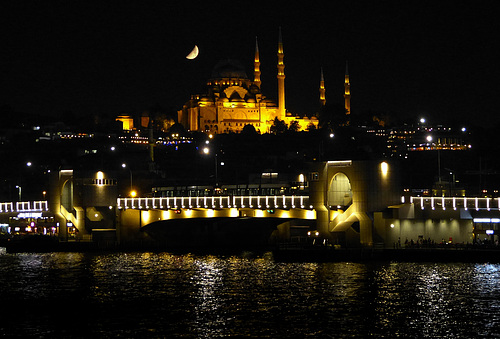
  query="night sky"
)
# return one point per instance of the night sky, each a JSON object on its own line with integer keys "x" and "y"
{"x": 411, "y": 59}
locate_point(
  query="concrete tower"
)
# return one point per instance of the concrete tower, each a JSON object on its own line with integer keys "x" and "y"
{"x": 347, "y": 91}
{"x": 322, "y": 98}
{"x": 256, "y": 63}
{"x": 281, "y": 78}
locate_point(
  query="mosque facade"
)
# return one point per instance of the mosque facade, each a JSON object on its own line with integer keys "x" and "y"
{"x": 232, "y": 101}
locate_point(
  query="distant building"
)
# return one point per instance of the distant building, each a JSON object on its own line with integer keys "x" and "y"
{"x": 423, "y": 137}
{"x": 127, "y": 122}
{"x": 233, "y": 101}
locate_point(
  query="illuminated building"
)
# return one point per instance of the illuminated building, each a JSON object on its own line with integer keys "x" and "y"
{"x": 233, "y": 100}
{"x": 424, "y": 137}
{"x": 127, "y": 121}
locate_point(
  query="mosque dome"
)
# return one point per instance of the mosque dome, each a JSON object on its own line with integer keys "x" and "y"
{"x": 229, "y": 68}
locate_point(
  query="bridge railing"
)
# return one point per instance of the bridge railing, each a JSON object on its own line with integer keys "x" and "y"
{"x": 455, "y": 203}
{"x": 24, "y": 206}
{"x": 216, "y": 202}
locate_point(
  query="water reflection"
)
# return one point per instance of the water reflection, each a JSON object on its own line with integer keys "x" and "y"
{"x": 161, "y": 294}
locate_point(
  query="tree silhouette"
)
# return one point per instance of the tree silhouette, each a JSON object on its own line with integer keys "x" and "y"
{"x": 294, "y": 126}
{"x": 279, "y": 126}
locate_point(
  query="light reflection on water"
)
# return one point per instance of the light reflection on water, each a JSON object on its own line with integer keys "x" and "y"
{"x": 164, "y": 295}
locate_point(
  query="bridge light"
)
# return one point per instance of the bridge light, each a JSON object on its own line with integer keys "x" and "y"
{"x": 270, "y": 211}
{"x": 133, "y": 193}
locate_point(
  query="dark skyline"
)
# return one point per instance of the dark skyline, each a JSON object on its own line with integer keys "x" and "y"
{"x": 92, "y": 58}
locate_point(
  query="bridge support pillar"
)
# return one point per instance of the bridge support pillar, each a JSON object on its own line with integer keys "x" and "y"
{"x": 128, "y": 228}
{"x": 57, "y": 181}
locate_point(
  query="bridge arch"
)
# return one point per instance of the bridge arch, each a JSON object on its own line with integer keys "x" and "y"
{"x": 66, "y": 193}
{"x": 340, "y": 191}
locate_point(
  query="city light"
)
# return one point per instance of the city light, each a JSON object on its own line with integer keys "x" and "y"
{"x": 384, "y": 167}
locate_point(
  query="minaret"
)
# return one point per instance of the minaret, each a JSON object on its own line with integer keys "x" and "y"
{"x": 322, "y": 98}
{"x": 281, "y": 78}
{"x": 256, "y": 63}
{"x": 347, "y": 92}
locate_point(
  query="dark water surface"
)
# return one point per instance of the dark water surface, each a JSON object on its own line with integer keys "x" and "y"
{"x": 158, "y": 295}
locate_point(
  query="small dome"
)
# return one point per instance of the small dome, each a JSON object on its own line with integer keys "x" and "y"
{"x": 229, "y": 68}
{"x": 254, "y": 89}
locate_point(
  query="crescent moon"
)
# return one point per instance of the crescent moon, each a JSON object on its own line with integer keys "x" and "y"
{"x": 193, "y": 54}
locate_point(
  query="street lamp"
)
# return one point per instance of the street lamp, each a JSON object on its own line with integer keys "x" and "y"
{"x": 206, "y": 150}
{"x": 19, "y": 189}
{"x": 124, "y": 165}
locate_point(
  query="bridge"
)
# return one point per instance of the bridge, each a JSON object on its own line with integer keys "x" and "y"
{"x": 352, "y": 203}
{"x": 152, "y": 209}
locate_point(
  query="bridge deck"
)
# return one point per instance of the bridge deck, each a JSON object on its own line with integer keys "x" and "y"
{"x": 24, "y": 206}
{"x": 217, "y": 202}
{"x": 472, "y": 203}
{"x": 259, "y": 202}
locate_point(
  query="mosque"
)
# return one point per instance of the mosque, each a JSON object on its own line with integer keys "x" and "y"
{"x": 233, "y": 101}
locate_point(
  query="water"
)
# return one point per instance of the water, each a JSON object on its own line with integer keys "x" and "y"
{"x": 158, "y": 295}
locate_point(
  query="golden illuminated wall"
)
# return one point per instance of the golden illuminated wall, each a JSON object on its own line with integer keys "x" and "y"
{"x": 226, "y": 116}
{"x": 127, "y": 121}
